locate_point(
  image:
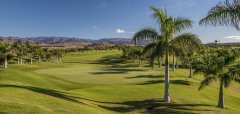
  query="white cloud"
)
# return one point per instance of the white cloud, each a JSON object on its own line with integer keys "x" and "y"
{"x": 233, "y": 37}
{"x": 119, "y": 31}
{"x": 94, "y": 27}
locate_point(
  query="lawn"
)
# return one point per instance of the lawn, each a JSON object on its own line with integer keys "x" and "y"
{"x": 102, "y": 83}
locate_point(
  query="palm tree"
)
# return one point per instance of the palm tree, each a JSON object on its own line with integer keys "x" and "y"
{"x": 189, "y": 44}
{"x": 39, "y": 52}
{"x": 49, "y": 55}
{"x": 148, "y": 51}
{"x": 58, "y": 53}
{"x": 20, "y": 50}
{"x": 224, "y": 14}
{"x": 5, "y": 50}
{"x": 30, "y": 51}
{"x": 220, "y": 67}
{"x": 163, "y": 40}
{"x": 179, "y": 55}
{"x": 173, "y": 49}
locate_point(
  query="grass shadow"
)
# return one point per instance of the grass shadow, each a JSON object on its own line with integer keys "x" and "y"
{"x": 3, "y": 113}
{"x": 74, "y": 62}
{"x": 125, "y": 65}
{"x": 108, "y": 72}
{"x": 179, "y": 82}
{"x": 116, "y": 71}
{"x": 146, "y": 76}
{"x": 111, "y": 59}
{"x": 153, "y": 106}
{"x": 53, "y": 93}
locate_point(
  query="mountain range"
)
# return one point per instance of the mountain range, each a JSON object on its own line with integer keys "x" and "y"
{"x": 61, "y": 40}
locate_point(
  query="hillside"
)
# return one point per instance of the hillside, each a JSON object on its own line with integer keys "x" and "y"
{"x": 62, "y": 40}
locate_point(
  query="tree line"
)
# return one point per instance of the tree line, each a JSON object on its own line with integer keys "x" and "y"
{"x": 21, "y": 53}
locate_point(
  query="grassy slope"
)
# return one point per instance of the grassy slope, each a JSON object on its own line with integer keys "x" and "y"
{"x": 84, "y": 85}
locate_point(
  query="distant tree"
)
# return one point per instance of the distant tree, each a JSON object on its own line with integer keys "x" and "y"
{"x": 58, "y": 53}
{"x": 5, "y": 50}
{"x": 149, "y": 50}
{"x": 31, "y": 49}
{"x": 190, "y": 45}
{"x": 132, "y": 53}
{"x": 20, "y": 50}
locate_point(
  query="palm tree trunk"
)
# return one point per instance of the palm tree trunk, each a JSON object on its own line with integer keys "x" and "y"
{"x": 176, "y": 63}
{"x": 190, "y": 72}
{"x": 139, "y": 62}
{"x": 166, "y": 89}
{"x": 18, "y": 60}
{"x": 21, "y": 60}
{"x": 238, "y": 64}
{"x": 173, "y": 64}
{"x": 31, "y": 61}
{"x": 160, "y": 62}
{"x": 5, "y": 61}
{"x": 60, "y": 59}
{"x": 220, "y": 97}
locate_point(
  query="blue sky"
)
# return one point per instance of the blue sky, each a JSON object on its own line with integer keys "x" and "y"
{"x": 97, "y": 19}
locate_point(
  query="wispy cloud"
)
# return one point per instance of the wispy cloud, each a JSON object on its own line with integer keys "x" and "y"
{"x": 233, "y": 37}
{"x": 184, "y": 4}
{"x": 102, "y": 5}
{"x": 94, "y": 27}
{"x": 131, "y": 32}
{"x": 119, "y": 31}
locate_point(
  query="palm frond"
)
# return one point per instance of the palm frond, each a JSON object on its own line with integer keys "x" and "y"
{"x": 148, "y": 49}
{"x": 159, "y": 15}
{"x": 226, "y": 80}
{"x": 188, "y": 39}
{"x": 145, "y": 35}
{"x": 157, "y": 52}
{"x": 207, "y": 81}
{"x": 230, "y": 56}
{"x": 234, "y": 73}
{"x": 227, "y": 14}
{"x": 182, "y": 24}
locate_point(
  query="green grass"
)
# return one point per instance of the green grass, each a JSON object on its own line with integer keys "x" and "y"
{"x": 100, "y": 83}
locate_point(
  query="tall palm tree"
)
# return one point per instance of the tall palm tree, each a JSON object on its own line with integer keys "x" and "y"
{"x": 5, "y": 50}
{"x": 220, "y": 67}
{"x": 169, "y": 27}
{"x": 224, "y": 14}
